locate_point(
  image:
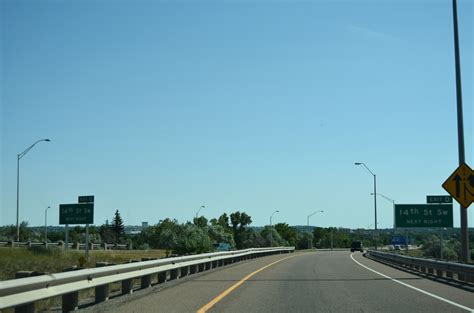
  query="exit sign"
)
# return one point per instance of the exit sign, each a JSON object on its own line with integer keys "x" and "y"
{"x": 439, "y": 199}
{"x": 85, "y": 199}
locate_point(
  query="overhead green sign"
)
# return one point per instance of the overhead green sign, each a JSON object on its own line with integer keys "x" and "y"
{"x": 423, "y": 215}
{"x": 76, "y": 213}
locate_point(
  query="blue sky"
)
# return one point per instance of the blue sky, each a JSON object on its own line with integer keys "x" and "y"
{"x": 159, "y": 107}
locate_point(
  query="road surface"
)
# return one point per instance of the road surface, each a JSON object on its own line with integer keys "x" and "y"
{"x": 329, "y": 281}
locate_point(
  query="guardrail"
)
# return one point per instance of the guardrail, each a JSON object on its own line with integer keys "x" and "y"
{"x": 74, "y": 246}
{"x": 450, "y": 270}
{"x": 22, "y": 293}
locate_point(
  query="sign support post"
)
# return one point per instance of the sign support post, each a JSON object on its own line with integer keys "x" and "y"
{"x": 441, "y": 244}
{"x": 67, "y": 236}
{"x": 462, "y": 159}
{"x": 406, "y": 240}
{"x": 87, "y": 242}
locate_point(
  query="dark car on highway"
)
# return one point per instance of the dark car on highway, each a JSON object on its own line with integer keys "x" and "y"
{"x": 356, "y": 246}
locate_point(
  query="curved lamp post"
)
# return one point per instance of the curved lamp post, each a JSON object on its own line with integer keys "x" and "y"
{"x": 375, "y": 195}
{"x": 19, "y": 156}
{"x": 393, "y": 204}
{"x": 271, "y": 234}
{"x": 307, "y": 223}
{"x": 46, "y": 224}
{"x": 202, "y": 207}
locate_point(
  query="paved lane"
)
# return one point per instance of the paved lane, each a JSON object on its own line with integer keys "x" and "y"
{"x": 306, "y": 282}
{"x": 333, "y": 282}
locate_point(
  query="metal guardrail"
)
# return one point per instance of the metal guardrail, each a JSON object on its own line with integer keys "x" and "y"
{"x": 76, "y": 245}
{"x": 450, "y": 270}
{"x": 22, "y": 293}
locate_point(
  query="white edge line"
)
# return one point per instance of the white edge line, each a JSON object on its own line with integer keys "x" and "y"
{"x": 414, "y": 288}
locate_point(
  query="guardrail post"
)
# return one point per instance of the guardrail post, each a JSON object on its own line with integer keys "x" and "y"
{"x": 101, "y": 292}
{"x": 161, "y": 277}
{"x": 470, "y": 279}
{"x": 146, "y": 279}
{"x": 439, "y": 273}
{"x": 28, "y": 307}
{"x": 70, "y": 301}
{"x": 174, "y": 274}
{"x": 127, "y": 286}
{"x": 184, "y": 271}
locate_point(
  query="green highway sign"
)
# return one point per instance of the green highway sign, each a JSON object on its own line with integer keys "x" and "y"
{"x": 423, "y": 215}
{"x": 76, "y": 213}
{"x": 85, "y": 199}
{"x": 439, "y": 199}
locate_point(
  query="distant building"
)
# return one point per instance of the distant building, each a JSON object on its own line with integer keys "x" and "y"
{"x": 144, "y": 224}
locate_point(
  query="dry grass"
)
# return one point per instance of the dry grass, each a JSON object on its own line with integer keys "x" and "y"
{"x": 54, "y": 260}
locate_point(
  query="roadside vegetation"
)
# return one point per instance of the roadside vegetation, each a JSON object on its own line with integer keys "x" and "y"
{"x": 54, "y": 260}
{"x": 168, "y": 238}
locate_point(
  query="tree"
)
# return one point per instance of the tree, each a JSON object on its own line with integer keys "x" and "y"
{"x": 240, "y": 221}
{"x": 118, "y": 228}
{"x": 193, "y": 239}
{"x": 303, "y": 239}
{"x": 253, "y": 239}
{"x": 200, "y": 221}
{"x": 218, "y": 234}
{"x": 272, "y": 237}
{"x": 9, "y": 232}
{"x": 289, "y": 234}
{"x": 106, "y": 233}
{"x": 163, "y": 235}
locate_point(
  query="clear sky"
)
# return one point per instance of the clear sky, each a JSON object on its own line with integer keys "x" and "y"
{"x": 159, "y": 107}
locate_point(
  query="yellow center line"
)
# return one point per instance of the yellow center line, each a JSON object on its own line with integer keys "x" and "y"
{"x": 236, "y": 285}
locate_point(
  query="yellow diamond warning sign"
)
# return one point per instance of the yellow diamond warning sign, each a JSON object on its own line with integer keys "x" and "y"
{"x": 460, "y": 185}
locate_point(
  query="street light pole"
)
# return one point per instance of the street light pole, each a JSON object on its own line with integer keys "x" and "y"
{"x": 393, "y": 205}
{"x": 271, "y": 229}
{"x": 202, "y": 207}
{"x": 19, "y": 156}
{"x": 46, "y": 224}
{"x": 307, "y": 223}
{"x": 375, "y": 198}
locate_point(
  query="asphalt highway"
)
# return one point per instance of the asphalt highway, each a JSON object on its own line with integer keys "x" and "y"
{"x": 323, "y": 281}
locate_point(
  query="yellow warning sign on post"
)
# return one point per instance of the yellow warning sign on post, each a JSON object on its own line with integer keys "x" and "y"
{"x": 460, "y": 185}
